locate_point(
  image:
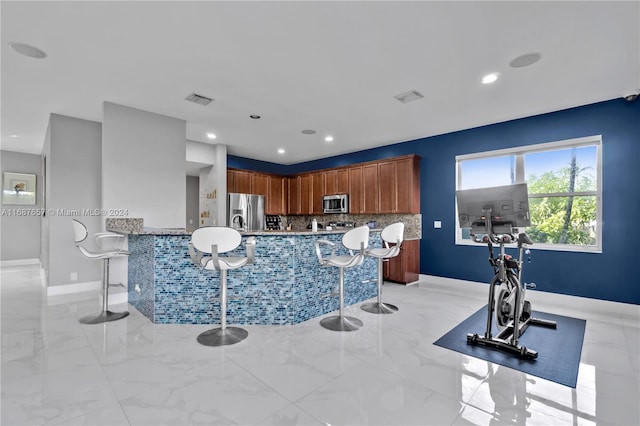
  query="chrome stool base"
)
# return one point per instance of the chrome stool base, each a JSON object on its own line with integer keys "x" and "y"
{"x": 338, "y": 323}
{"x": 220, "y": 337}
{"x": 379, "y": 308}
{"x": 105, "y": 316}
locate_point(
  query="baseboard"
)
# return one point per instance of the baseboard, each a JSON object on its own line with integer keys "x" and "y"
{"x": 594, "y": 305}
{"x": 117, "y": 295}
{"x": 58, "y": 290}
{"x": 449, "y": 283}
{"x": 19, "y": 262}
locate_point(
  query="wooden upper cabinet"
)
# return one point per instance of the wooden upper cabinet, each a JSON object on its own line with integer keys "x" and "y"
{"x": 293, "y": 195}
{"x": 408, "y": 185}
{"x": 260, "y": 184}
{"x": 371, "y": 188}
{"x": 343, "y": 181}
{"x": 356, "y": 190}
{"x": 387, "y": 171}
{"x": 305, "y": 194}
{"x": 317, "y": 192}
{"x": 242, "y": 182}
{"x": 231, "y": 181}
{"x": 386, "y": 186}
{"x": 330, "y": 182}
{"x": 399, "y": 185}
{"x": 276, "y": 199}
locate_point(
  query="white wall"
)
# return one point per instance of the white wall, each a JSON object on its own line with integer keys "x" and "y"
{"x": 73, "y": 185}
{"x": 212, "y": 182}
{"x": 21, "y": 234}
{"x": 143, "y": 165}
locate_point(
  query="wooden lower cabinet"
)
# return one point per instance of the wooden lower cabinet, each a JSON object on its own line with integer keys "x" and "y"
{"x": 405, "y": 267}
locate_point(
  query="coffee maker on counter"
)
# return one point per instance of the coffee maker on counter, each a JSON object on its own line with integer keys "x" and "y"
{"x": 274, "y": 222}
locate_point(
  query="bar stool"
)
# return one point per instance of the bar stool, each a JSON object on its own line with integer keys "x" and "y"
{"x": 116, "y": 244}
{"x": 212, "y": 241}
{"x": 355, "y": 239}
{"x": 393, "y": 233}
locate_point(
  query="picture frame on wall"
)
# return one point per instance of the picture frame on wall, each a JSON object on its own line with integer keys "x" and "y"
{"x": 18, "y": 188}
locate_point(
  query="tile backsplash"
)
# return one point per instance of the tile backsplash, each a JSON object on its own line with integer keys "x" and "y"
{"x": 412, "y": 222}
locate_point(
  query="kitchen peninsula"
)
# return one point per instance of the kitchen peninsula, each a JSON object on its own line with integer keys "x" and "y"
{"x": 285, "y": 285}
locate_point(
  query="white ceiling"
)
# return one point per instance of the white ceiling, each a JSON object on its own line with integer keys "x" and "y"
{"x": 329, "y": 66}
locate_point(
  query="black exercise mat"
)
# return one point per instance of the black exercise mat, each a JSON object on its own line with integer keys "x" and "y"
{"x": 559, "y": 350}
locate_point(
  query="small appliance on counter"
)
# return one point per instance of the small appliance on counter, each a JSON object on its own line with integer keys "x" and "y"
{"x": 274, "y": 222}
{"x": 341, "y": 225}
{"x": 318, "y": 225}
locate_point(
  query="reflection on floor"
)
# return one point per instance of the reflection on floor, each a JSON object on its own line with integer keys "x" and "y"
{"x": 132, "y": 372}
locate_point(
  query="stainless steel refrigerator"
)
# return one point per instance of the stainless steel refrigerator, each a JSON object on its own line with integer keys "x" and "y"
{"x": 245, "y": 212}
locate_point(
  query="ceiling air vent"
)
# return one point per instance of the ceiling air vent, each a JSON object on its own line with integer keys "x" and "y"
{"x": 410, "y": 96}
{"x": 198, "y": 99}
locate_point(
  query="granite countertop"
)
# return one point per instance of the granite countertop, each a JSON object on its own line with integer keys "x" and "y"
{"x": 135, "y": 226}
{"x": 183, "y": 231}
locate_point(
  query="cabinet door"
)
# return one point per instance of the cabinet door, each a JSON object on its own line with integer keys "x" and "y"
{"x": 243, "y": 182}
{"x": 231, "y": 181}
{"x": 356, "y": 190}
{"x": 405, "y": 268}
{"x": 388, "y": 187}
{"x": 342, "y": 179}
{"x": 305, "y": 194}
{"x": 371, "y": 189}
{"x": 408, "y": 185}
{"x": 330, "y": 182}
{"x": 276, "y": 198}
{"x": 260, "y": 185}
{"x": 317, "y": 192}
{"x": 294, "y": 195}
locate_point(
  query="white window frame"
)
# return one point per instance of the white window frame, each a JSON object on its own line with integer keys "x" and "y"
{"x": 519, "y": 152}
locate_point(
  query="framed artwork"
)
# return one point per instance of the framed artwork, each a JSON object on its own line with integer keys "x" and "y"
{"x": 18, "y": 188}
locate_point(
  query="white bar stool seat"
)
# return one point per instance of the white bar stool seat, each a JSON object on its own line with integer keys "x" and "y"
{"x": 393, "y": 233}
{"x": 115, "y": 244}
{"x": 355, "y": 239}
{"x": 213, "y": 241}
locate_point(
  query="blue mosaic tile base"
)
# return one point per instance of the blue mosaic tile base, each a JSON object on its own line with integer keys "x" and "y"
{"x": 285, "y": 285}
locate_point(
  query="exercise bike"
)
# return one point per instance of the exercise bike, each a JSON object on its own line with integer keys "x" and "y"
{"x": 512, "y": 310}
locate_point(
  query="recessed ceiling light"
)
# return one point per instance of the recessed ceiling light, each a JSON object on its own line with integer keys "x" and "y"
{"x": 525, "y": 60}
{"x": 281, "y": 151}
{"x": 308, "y": 132}
{"x": 490, "y": 78}
{"x": 211, "y": 135}
{"x": 328, "y": 139}
{"x": 27, "y": 50}
{"x": 255, "y": 116}
{"x": 13, "y": 136}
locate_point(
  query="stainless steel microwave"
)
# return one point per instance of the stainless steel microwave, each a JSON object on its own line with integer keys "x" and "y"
{"x": 335, "y": 203}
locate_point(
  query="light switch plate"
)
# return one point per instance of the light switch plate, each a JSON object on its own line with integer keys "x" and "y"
{"x": 437, "y": 224}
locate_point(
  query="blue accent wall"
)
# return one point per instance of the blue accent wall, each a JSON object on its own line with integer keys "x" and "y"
{"x": 609, "y": 275}
{"x": 257, "y": 165}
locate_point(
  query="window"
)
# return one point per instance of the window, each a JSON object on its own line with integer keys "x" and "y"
{"x": 564, "y": 182}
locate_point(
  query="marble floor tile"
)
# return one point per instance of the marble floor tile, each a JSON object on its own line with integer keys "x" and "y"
{"x": 55, "y": 370}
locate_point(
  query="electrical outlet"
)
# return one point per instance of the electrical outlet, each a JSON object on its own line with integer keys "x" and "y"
{"x": 137, "y": 289}
{"x": 73, "y": 276}
{"x": 437, "y": 224}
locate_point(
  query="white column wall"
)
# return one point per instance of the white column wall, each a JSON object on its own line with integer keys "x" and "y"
{"x": 143, "y": 165}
